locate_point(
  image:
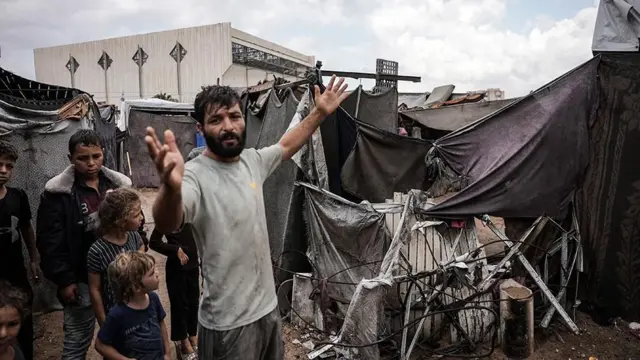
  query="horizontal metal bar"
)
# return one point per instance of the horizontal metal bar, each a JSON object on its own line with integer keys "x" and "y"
{"x": 364, "y": 75}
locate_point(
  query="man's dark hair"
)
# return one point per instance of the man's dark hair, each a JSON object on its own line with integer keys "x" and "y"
{"x": 221, "y": 96}
{"x": 85, "y": 137}
{"x": 8, "y": 150}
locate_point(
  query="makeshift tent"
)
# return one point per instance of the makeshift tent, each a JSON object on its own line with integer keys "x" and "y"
{"x": 38, "y": 119}
{"x": 161, "y": 115}
{"x": 578, "y": 135}
{"x": 525, "y": 159}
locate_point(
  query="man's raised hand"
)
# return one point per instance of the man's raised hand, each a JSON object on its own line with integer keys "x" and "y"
{"x": 166, "y": 157}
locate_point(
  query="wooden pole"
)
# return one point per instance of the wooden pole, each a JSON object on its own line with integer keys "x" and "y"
{"x": 516, "y": 320}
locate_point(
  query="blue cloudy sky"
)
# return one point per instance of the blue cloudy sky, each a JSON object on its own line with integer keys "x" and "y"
{"x": 516, "y": 45}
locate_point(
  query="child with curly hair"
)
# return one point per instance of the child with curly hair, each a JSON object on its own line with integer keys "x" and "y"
{"x": 135, "y": 328}
{"x": 119, "y": 215}
{"x": 14, "y": 306}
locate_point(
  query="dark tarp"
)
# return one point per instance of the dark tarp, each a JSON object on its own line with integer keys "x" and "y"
{"x": 338, "y": 138}
{"x": 608, "y": 203}
{"x": 526, "y": 159}
{"x": 587, "y": 138}
{"x": 142, "y": 169}
{"x": 253, "y": 125}
{"x": 383, "y": 163}
{"x": 106, "y": 127}
{"x": 283, "y": 201}
{"x": 28, "y": 94}
{"x": 379, "y": 110}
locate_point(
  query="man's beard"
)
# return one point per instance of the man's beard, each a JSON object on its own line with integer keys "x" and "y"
{"x": 216, "y": 145}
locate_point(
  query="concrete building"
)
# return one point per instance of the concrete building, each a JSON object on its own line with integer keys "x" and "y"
{"x": 175, "y": 62}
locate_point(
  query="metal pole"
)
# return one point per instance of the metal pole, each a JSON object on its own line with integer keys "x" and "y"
{"x": 140, "y": 71}
{"x": 106, "y": 86}
{"x": 72, "y": 66}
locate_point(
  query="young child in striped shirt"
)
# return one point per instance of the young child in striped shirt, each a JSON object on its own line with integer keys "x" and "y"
{"x": 120, "y": 215}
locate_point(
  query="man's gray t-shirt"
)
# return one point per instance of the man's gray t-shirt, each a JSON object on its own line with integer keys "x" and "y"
{"x": 225, "y": 205}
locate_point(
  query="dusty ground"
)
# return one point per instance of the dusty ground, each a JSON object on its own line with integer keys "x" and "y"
{"x": 602, "y": 343}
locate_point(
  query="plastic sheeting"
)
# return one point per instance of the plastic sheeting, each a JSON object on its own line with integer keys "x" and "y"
{"x": 526, "y": 159}
{"x": 344, "y": 235}
{"x": 143, "y": 173}
{"x": 454, "y": 117}
{"x": 347, "y": 243}
{"x": 383, "y": 163}
{"x": 106, "y": 127}
{"x": 156, "y": 105}
{"x": 311, "y": 157}
{"x": 617, "y": 26}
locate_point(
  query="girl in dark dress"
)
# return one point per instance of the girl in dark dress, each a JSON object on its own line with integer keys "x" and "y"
{"x": 182, "y": 274}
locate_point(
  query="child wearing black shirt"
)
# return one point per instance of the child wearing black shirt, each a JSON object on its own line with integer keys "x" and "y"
{"x": 182, "y": 276}
{"x": 15, "y": 227}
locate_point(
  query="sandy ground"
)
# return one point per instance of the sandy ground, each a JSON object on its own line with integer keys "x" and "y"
{"x": 595, "y": 341}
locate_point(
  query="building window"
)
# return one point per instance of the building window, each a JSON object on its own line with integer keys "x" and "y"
{"x": 244, "y": 55}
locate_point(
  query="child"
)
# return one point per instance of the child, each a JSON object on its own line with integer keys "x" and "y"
{"x": 66, "y": 228}
{"x": 119, "y": 215}
{"x": 183, "y": 287}
{"x": 15, "y": 227}
{"x": 14, "y": 306}
{"x": 135, "y": 327}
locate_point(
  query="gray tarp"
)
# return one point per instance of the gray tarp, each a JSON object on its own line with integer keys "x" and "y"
{"x": 347, "y": 242}
{"x": 526, "y": 159}
{"x": 617, "y": 26}
{"x": 453, "y": 117}
{"x": 412, "y": 100}
{"x": 383, "y": 163}
{"x": 106, "y": 127}
{"x": 143, "y": 173}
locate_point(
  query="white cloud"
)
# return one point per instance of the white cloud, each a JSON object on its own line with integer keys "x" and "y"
{"x": 460, "y": 42}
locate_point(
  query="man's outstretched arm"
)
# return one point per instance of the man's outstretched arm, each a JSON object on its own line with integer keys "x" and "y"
{"x": 167, "y": 207}
{"x": 326, "y": 103}
{"x": 168, "y": 210}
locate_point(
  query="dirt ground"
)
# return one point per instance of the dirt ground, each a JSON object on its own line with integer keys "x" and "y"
{"x": 594, "y": 342}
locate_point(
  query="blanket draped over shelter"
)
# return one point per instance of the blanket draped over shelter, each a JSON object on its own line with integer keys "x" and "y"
{"x": 579, "y": 135}
{"x": 383, "y": 163}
